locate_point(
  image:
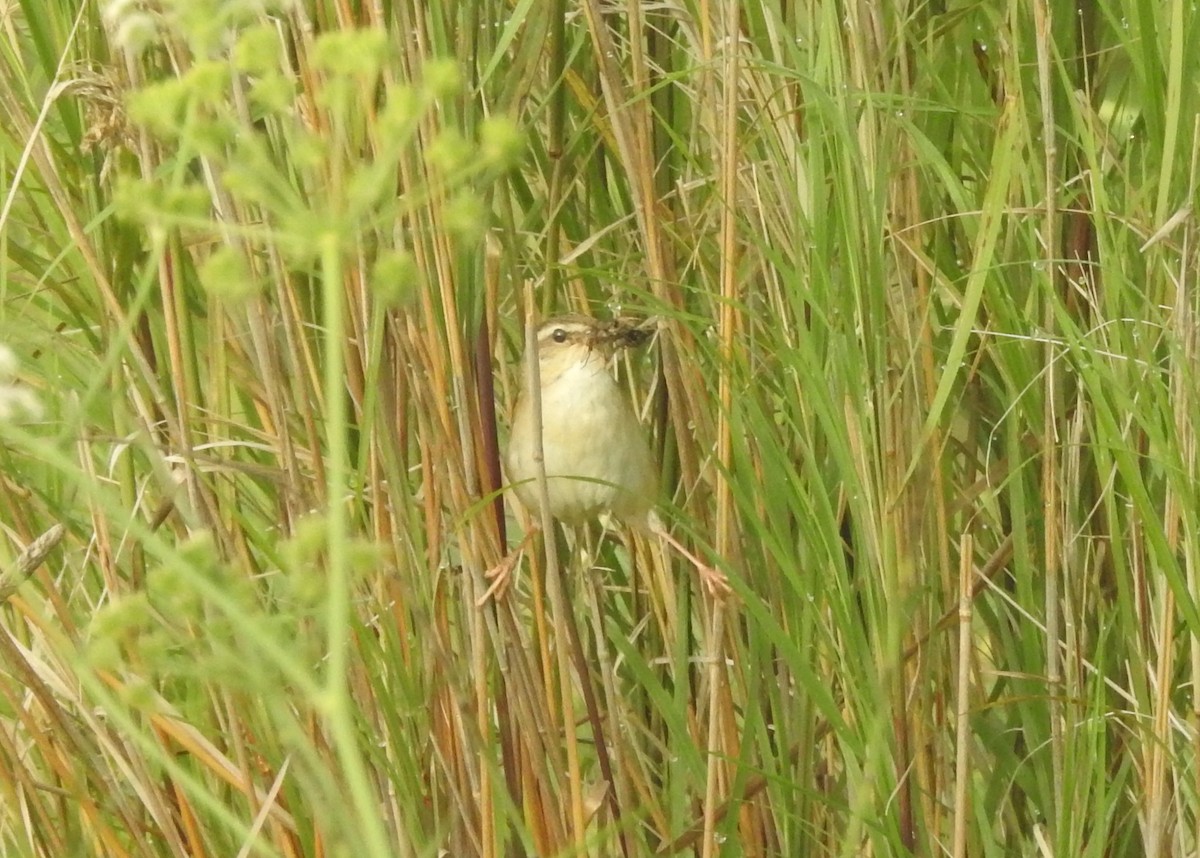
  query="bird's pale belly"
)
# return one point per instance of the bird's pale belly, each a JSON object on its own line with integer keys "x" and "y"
{"x": 596, "y": 456}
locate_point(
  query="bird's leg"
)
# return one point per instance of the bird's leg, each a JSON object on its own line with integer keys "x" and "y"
{"x": 501, "y": 574}
{"x": 713, "y": 579}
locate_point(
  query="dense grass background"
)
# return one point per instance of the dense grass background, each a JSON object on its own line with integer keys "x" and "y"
{"x": 927, "y": 391}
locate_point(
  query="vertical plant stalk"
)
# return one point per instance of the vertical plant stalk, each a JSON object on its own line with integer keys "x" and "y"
{"x": 608, "y": 755}
{"x": 913, "y": 326}
{"x": 554, "y": 587}
{"x": 1174, "y": 114}
{"x": 1185, "y": 379}
{"x": 336, "y": 692}
{"x": 492, "y": 480}
{"x": 1159, "y": 799}
{"x": 728, "y": 329}
{"x": 556, "y": 121}
{"x": 716, "y": 685}
{"x": 1050, "y": 462}
{"x": 962, "y": 749}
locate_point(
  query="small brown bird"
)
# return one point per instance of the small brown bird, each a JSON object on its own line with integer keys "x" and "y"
{"x": 596, "y": 456}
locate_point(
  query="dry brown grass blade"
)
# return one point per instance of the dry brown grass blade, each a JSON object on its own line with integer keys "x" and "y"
{"x": 30, "y": 558}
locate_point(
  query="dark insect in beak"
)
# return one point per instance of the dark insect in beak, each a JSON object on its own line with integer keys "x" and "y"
{"x": 626, "y": 333}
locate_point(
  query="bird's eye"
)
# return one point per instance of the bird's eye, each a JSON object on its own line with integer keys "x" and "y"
{"x": 559, "y": 335}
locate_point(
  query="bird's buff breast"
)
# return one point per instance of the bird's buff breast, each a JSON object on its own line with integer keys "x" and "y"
{"x": 596, "y": 456}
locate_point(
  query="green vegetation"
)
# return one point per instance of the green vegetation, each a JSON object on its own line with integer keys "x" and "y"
{"x": 926, "y": 390}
